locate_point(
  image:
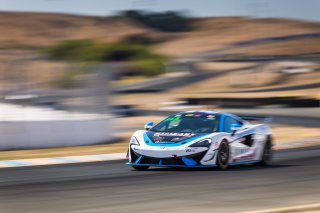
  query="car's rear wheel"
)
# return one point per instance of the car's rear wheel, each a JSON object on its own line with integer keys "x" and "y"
{"x": 141, "y": 168}
{"x": 267, "y": 153}
{"x": 223, "y": 155}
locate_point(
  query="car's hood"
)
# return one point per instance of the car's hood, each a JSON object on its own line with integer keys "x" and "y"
{"x": 167, "y": 138}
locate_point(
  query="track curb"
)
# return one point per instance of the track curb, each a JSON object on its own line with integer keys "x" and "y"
{"x": 61, "y": 160}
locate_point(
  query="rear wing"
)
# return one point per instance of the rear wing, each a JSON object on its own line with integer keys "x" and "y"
{"x": 264, "y": 119}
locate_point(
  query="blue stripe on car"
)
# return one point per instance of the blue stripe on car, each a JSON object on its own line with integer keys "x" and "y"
{"x": 189, "y": 161}
{"x": 221, "y": 124}
{"x": 139, "y": 158}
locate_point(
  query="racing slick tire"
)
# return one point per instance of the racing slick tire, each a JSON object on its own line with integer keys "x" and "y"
{"x": 223, "y": 155}
{"x": 141, "y": 168}
{"x": 267, "y": 153}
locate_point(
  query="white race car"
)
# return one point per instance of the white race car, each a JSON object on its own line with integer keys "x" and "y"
{"x": 200, "y": 139}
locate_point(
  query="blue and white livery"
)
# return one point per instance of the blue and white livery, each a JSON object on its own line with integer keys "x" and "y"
{"x": 200, "y": 139}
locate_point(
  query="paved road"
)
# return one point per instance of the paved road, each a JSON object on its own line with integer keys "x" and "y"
{"x": 280, "y": 88}
{"x": 113, "y": 187}
{"x": 166, "y": 83}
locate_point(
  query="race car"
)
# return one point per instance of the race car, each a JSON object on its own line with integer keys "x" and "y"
{"x": 201, "y": 139}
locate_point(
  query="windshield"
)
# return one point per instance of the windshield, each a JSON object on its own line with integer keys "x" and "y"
{"x": 188, "y": 123}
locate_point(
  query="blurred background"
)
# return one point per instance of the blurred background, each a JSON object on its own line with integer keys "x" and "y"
{"x": 79, "y": 77}
{"x": 121, "y": 64}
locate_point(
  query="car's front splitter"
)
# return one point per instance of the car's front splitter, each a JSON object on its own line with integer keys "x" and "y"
{"x": 174, "y": 166}
{"x": 192, "y": 166}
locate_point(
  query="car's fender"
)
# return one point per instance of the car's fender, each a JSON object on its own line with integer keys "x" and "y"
{"x": 217, "y": 138}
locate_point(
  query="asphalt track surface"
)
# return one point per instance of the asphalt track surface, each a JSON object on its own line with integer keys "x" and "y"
{"x": 293, "y": 179}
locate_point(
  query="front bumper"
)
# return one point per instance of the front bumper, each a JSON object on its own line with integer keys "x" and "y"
{"x": 191, "y": 160}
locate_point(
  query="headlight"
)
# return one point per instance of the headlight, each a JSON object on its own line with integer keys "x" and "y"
{"x": 202, "y": 143}
{"x": 134, "y": 141}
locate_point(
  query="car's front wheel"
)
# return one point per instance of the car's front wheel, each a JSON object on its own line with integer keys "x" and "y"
{"x": 223, "y": 155}
{"x": 267, "y": 153}
{"x": 141, "y": 168}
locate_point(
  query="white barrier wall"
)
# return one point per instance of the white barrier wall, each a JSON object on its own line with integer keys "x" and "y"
{"x": 41, "y": 134}
{"x": 49, "y": 128}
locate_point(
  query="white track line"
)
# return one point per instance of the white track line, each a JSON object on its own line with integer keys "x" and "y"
{"x": 61, "y": 160}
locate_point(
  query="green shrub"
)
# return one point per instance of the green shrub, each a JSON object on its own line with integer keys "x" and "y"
{"x": 149, "y": 66}
{"x": 138, "y": 39}
{"x": 140, "y": 56}
{"x": 169, "y": 21}
{"x": 69, "y": 50}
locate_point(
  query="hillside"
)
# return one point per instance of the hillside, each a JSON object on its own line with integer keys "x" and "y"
{"x": 213, "y": 33}
{"x": 39, "y": 29}
{"x": 217, "y": 33}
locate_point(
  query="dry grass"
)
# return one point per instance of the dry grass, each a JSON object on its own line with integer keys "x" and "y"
{"x": 224, "y": 66}
{"x": 34, "y": 29}
{"x": 301, "y": 46}
{"x": 41, "y": 29}
{"x": 266, "y": 76}
{"x": 284, "y": 134}
{"x": 217, "y": 33}
{"x": 129, "y": 80}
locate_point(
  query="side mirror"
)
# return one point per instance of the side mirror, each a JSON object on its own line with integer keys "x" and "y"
{"x": 148, "y": 125}
{"x": 235, "y": 127}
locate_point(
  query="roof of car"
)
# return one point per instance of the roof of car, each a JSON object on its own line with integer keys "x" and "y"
{"x": 208, "y": 112}
{"x": 203, "y": 112}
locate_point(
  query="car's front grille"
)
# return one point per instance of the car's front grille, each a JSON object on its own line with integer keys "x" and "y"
{"x": 149, "y": 160}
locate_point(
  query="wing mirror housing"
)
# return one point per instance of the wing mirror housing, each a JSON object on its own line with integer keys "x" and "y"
{"x": 235, "y": 127}
{"x": 148, "y": 125}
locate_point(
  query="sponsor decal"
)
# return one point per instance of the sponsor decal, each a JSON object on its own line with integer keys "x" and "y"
{"x": 189, "y": 149}
{"x": 157, "y": 138}
{"x": 168, "y": 142}
{"x": 246, "y": 157}
{"x": 169, "y": 137}
{"x": 159, "y": 134}
{"x": 173, "y": 119}
{"x": 188, "y": 115}
{"x": 240, "y": 151}
{"x": 162, "y": 147}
